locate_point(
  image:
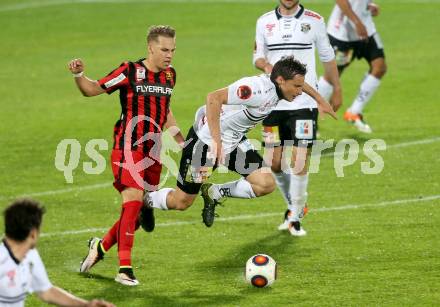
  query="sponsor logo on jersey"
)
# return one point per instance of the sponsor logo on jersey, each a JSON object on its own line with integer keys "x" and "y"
{"x": 11, "y": 275}
{"x": 305, "y": 27}
{"x": 244, "y": 92}
{"x": 270, "y": 27}
{"x": 154, "y": 90}
{"x": 169, "y": 75}
{"x": 114, "y": 81}
{"x": 287, "y": 36}
{"x": 140, "y": 73}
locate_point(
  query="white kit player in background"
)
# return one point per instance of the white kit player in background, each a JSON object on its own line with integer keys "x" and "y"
{"x": 292, "y": 30}
{"x": 218, "y": 136}
{"x": 21, "y": 269}
{"x": 353, "y": 35}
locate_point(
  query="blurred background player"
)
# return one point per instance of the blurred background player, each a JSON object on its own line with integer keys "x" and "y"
{"x": 145, "y": 92}
{"x": 292, "y": 30}
{"x": 21, "y": 269}
{"x": 218, "y": 136}
{"x": 353, "y": 35}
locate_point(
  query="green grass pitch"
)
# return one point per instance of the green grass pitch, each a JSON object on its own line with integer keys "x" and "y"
{"x": 372, "y": 239}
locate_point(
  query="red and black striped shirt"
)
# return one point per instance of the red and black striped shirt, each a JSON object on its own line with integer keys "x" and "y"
{"x": 145, "y": 102}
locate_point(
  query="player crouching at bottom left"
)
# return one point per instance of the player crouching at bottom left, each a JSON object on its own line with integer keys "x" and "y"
{"x": 218, "y": 137}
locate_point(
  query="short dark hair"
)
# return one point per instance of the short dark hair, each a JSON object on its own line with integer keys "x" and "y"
{"x": 287, "y": 68}
{"x": 155, "y": 31}
{"x": 21, "y": 217}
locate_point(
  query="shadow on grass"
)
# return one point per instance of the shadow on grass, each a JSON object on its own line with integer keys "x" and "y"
{"x": 135, "y": 296}
{"x": 99, "y": 277}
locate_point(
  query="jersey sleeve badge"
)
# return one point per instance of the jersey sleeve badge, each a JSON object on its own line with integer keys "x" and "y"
{"x": 244, "y": 92}
{"x": 169, "y": 75}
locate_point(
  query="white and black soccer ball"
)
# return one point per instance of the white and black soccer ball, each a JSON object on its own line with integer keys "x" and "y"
{"x": 261, "y": 270}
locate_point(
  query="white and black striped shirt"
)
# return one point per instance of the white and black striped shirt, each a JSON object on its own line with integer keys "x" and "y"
{"x": 298, "y": 35}
{"x": 19, "y": 278}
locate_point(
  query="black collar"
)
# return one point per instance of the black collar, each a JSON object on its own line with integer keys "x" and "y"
{"x": 297, "y": 15}
{"x": 10, "y": 252}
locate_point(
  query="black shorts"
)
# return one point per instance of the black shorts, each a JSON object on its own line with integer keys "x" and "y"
{"x": 290, "y": 128}
{"x": 195, "y": 168}
{"x": 346, "y": 52}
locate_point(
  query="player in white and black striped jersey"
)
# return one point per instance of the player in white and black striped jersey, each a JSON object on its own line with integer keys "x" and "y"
{"x": 220, "y": 130}
{"x": 21, "y": 269}
{"x": 353, "y": 34}
{"x": 292, "y": 30}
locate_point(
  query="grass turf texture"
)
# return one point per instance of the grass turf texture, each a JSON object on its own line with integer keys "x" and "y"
{"x": 380, "y": 255}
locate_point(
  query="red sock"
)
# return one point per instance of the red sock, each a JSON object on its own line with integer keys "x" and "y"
{"x": 127, "y": 228}
{"x": 111, "y": 237}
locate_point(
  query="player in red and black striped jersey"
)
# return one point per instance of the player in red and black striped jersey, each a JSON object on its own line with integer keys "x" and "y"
{"x": 145, "y": 89}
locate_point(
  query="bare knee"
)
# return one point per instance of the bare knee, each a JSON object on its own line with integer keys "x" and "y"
{"x": 182, "y": 205}
{"x": 379, "y": 69}
{"x": 179, "y": 200}
{"x": 266, "y": 185}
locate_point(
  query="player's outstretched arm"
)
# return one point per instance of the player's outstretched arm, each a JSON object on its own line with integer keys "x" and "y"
{"x": 345, "y": 7}
{"x": 263, "y": 65}
{"x": 88, "y": 87}
{"x": 323, "y": 105}
{"x": 332, "y": 75}
{"x": 214, "y": 102}
{"x": 61, "y": 297}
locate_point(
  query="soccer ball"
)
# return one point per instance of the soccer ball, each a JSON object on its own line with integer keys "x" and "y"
{"x": 261, "y": 270}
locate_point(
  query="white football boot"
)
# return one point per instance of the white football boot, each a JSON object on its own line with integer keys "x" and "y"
{"x": 94, "y": 255}
{"x": 127, "y": 278}
{"x": 296, "y": 230}
{"x": 285, "y": 224}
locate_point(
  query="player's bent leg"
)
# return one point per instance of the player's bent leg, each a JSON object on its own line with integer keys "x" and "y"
{"x": 180, "y": 200}
{"x": 368, "y": 87}
{"x": 378, "y": 67}
{"x": 261, "y": 181}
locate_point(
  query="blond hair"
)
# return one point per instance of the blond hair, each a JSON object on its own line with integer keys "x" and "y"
{"x": 155, "y": 31}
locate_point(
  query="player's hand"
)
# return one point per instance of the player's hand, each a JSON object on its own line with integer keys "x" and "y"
{"x": 374, "y": 9}
{"x": 99, "y": 303}
{"x": 76, "y": 66}
{"x": 336, "y": 100}
{"x": 361, "y": 31}
{"x": 268, "y": 68}
{"x": 215, "y": 153}
{"x": 325, "y": 108}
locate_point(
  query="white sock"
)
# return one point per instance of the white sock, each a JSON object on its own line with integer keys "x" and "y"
{"x": 325, "y": 88}
{"x": 283, "y": 182}
{"x": 237, "y": 189}
{"x": 368, "y": 87}
{"x": 159, "y": 198}
{"x": 298, "y": 195}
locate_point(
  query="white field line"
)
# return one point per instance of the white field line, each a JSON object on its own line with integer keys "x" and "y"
{"x": 39, "y": 4}
{"x": 263, "y": 215}
{"x": 398, "y": 145}
{"x": 105, "y": 185}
